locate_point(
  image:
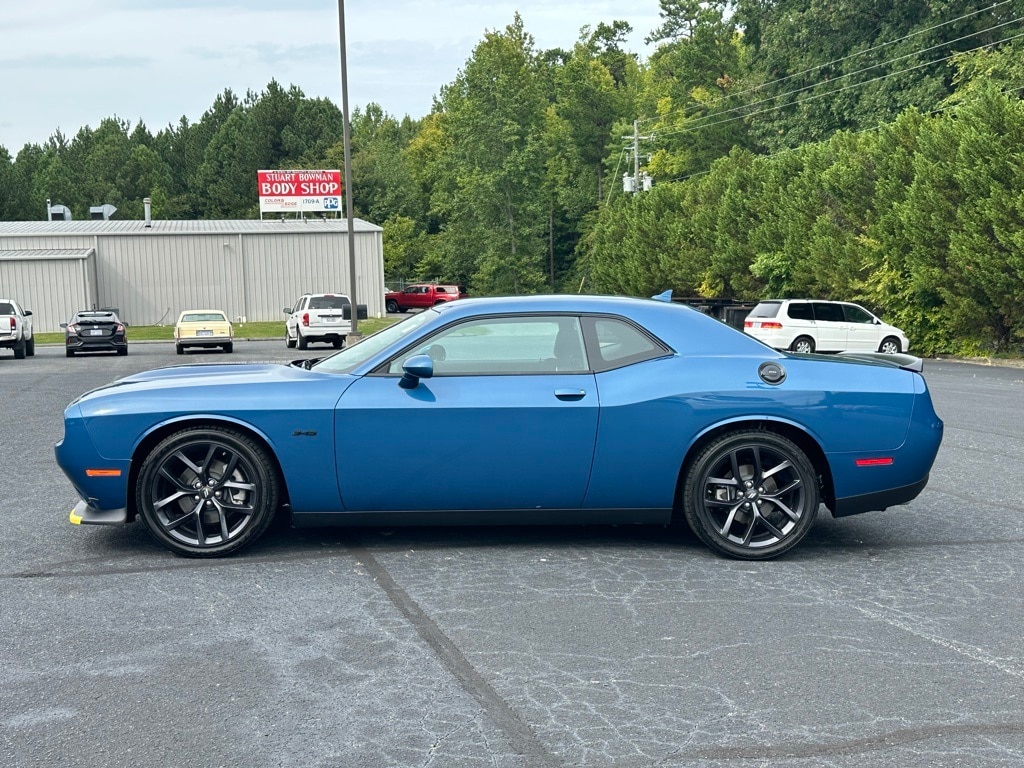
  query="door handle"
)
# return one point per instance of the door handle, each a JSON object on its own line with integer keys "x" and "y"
{"x": 570, "y": 394}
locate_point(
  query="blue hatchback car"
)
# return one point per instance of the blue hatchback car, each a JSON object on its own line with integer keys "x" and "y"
{"x": 541, "y": 409}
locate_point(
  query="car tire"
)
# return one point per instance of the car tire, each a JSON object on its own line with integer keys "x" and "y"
{"x": 890, "y": 345}
{"x": 207, "y": 491}
{"x": 69, "y": 353}
{"x": 764, "y": 512}
{"x": 179, "y": 350}
{"x": 123, "y": 351}
{"x": 30, "y": 347}
{"x": 337, "y": 343}
{"x": 288, "y": 340}
{"x": 802, "y": 345}
{"x": 300, "y": 339}
{"x": 392, "y": 305}
{"x": 19, "y": 350}
{"x": 229, "y": 347}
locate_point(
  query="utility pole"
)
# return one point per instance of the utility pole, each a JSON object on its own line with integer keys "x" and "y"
{"x": 636, "y": 155}
{"x": 638, "y": 182}
{"x": 346, "y": 138}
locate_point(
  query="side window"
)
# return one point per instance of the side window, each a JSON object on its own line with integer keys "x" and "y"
{"x": 828, "y": 312}
{"x": 800, "y": 311}
{"x": 503, "y": 345}
{"x": 298, "y": 304}
{"x": 855, "y": 314}
{"x": 616, "y": 343}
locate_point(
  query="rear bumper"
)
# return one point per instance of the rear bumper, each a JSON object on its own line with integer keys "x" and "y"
{"x": 872, "y": 502}
{"x": 84, "y": 514}
{"x": 95, "y": 345}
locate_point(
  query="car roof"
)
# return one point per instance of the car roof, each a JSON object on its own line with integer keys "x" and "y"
{"x": 679, "y": 326}
{"x": 200, "y": 311}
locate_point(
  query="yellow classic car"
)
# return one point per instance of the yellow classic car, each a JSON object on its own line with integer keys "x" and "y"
{"x": 203, "y": 328}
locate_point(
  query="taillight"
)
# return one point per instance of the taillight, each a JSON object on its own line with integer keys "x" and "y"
{"x": 772, "y": 326}
{"x": 119, "y": 329}
{"x": 73, "y": 328}
{"x": 748, "y": 324}
{"x": 12, "y": 323}
{"x": 305, "y": 319}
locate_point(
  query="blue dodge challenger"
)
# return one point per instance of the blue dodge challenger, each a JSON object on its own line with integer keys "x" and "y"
{"x": 541, "y": 409}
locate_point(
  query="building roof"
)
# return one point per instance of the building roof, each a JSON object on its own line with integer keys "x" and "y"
{"x": 179, "y": 227}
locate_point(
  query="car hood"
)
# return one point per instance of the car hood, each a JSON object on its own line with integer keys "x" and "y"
{"x": 188, "y": 376}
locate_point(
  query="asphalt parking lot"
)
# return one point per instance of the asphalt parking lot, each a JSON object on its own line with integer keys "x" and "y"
{"x": 888, "y": 639}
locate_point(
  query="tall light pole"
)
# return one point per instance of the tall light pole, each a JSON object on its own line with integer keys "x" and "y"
{"x": 354, "y": 335}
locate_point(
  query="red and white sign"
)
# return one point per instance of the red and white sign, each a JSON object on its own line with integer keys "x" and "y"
{"x": 299, "y": 191}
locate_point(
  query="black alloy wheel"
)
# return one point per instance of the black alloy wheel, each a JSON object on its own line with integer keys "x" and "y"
{"x": 751, "y": 495}
{"x": 206, "y": 492}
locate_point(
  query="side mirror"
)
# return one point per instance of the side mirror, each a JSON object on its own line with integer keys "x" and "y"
{"x": 28, "y": 312}
{"x": 287, "y": 310}
{"x": 416, "y": 367}
{"x": 64, "y": 325}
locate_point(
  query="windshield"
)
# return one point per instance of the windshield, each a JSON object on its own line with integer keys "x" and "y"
{"x": 352, "y": 357}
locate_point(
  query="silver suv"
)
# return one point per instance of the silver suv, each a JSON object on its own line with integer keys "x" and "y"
{"x": 806, "y": 325}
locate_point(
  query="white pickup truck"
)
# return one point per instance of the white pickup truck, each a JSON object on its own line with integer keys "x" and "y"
{"x": 16, "y": 329}
{"x": 318, "y": 317}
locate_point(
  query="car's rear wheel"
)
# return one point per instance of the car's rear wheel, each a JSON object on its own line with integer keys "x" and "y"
{"x": 229, "y": 347}
{"x": 751, "y": 495}
{"x": 178, "y": 349}
{"x": 890, "y": 345}
{"x": 30, "y": 347}
{"x": 207, "y": 491}
{"x": 392, "y": 305}
{"x": 19, "y": 350}
{"x": 69, "y": 353}
{"x": 802, "y": 344}
{"x": 337, "y": 343}
{"x": 303, "y": 343}
{"x": 122, "y": 351}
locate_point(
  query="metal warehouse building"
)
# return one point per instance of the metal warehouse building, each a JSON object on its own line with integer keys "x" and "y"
{"x": 153, "y": 270}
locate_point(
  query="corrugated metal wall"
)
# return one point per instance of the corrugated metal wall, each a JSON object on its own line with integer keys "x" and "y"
{"x": 53, "y": 287}
{"x": 152, "y": 277}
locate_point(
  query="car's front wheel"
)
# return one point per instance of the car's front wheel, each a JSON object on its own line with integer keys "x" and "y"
{"x": 751, "y": 495}
{"x": 890, "y": 345}
{"x": 803, "y": 344}
{"x": 207, "y": 491}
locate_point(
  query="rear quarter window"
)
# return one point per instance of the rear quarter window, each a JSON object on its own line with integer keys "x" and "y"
{"x": 765, "y": 309}
{"x": 800, "y": 311}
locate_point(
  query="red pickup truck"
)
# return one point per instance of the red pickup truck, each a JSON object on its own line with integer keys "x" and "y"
{"x": 422, "y": 295}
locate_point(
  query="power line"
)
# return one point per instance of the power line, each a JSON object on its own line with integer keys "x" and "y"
{"x": 694, "y": 128}
{"x": 879, "y": 126}
{"x": 860, "y": 53}
{"x": 864, "y": 69}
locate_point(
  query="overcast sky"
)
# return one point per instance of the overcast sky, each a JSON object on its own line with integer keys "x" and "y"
{"x": 65, "y": 64}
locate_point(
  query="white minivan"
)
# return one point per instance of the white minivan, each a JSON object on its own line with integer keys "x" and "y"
{"x": 806, "y": 325}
